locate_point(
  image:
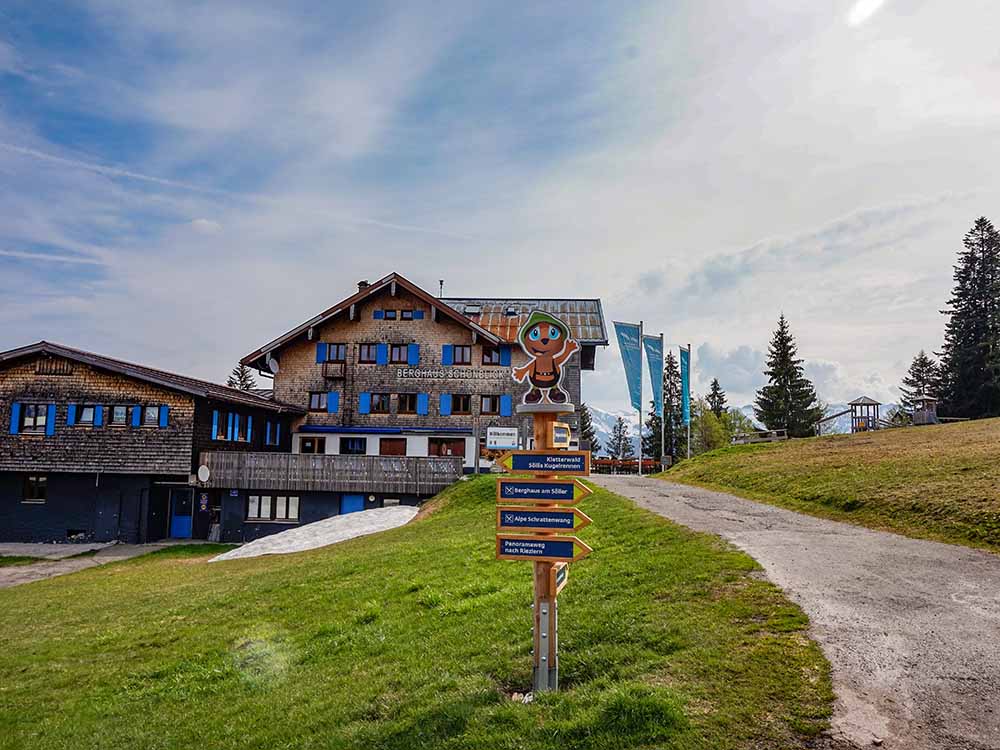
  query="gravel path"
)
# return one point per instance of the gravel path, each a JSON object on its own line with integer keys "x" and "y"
{"x": 322, "y": 533}
{"x": 911, "y": 627}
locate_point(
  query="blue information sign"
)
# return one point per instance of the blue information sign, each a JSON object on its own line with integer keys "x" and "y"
{"x": 556, "y": 462}
{"x": 511, "y": 489}
{"x": 561, "y": 520}
{"x": 537, "y": 547}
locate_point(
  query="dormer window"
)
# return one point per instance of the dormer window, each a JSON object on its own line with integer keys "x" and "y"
{"x": 473, "y": 309}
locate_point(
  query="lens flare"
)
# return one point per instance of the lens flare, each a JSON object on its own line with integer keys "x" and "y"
{"x": 863, "y": 10}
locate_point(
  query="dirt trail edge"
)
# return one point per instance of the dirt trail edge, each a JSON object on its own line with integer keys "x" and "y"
{"x": 911, "y": 627}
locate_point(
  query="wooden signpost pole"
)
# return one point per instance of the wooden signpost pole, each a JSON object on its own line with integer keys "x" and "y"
{"x": 546, "y": 650}
{"x": 535, "y": 532}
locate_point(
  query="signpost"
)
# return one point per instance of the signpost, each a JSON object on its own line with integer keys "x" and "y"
{"x": 542, "y": 490}
{"x": 565, "y": 463}
{"x": 516, "y": 518}
{"x": 532, "y": 530}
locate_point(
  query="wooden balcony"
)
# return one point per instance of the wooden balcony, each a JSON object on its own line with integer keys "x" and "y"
{"x": 406, "y": 475}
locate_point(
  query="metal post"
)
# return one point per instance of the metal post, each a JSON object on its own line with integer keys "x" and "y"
{"x": 546, "y": 654}
{"x": 690, "y": 372}
{"x": 640, "y": 397}
{"x": 663, "y": 412}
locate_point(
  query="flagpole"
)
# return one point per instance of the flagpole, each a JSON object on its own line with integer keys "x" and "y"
{"x": 640, "y": 397}
{"x": 663, "y": 412}
{"x": 689, "y": 398}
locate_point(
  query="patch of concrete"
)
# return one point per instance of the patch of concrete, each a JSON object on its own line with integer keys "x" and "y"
{"x": 48, "y": 551}
{"x": 910, "y": 627}
{"x": 107, "y": 553}
{"x": 323, "y": 533}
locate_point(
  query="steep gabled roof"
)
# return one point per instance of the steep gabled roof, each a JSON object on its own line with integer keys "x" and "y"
{"x": 505, "y": 316}
{"x": 255, "y": 359}
{"x": 169, "y": 380}
{"x": 864, "y": 401}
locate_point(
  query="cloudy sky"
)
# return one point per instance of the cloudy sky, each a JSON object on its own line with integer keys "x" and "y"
{"x": 181, "y": 183}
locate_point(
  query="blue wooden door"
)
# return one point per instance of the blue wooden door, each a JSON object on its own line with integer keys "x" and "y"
{"x": 181, "y": 509}
{"x": 352, "y": 503}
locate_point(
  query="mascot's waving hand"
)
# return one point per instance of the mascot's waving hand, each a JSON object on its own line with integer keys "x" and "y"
{"x": 545, "y": 339}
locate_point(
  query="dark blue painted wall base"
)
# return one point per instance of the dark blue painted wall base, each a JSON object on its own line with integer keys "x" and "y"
{"x": 313, "y": 506}
{"x": 83, "y": 507}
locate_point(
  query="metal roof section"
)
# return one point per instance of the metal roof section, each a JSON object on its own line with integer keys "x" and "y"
{"x": 505, "y": 316}
{"x": 169, "y": 380}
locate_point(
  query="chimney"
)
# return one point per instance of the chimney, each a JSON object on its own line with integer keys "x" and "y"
{"x": 440, "y": 287}
{"x": 362, "y": 285}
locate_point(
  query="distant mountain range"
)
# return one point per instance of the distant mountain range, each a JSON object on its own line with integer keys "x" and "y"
{"x": 604, "y": 422}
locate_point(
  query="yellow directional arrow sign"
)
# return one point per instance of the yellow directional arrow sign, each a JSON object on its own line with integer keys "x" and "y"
{"x": 547, "y": 491}
{"x": 567, "y": 463}
{"x": 546, "y": 520}
{"x": 540, "y": 548}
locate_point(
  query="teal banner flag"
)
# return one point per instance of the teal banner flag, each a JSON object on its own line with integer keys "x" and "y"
{"x": 653, "y": 346}
{"x": 628, "y": 343}
{"x": 686, "y": 384}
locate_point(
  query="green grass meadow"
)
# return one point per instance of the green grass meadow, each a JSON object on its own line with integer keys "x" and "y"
{"x": 414, "y": 638}
{"x": 937, "y": 482}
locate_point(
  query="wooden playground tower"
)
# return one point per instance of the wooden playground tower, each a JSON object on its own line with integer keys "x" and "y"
{"x": 865, "y": 414}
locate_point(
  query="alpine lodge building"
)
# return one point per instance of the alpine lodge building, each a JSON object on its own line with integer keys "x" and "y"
{"x": 385, "y": 398}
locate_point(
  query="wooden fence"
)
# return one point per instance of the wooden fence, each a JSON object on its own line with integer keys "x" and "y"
{"x": 763, "y": 436}
{"x": 410, "y": 475}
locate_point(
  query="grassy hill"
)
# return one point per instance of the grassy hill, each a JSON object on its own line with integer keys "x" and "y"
{"x": 413, "y": 639}
{"x": 940, "y": 482}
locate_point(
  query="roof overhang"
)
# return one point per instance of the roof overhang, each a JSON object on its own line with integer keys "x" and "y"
{"x": 257, "y": 359}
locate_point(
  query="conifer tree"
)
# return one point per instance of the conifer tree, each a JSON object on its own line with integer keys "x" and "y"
{"x": 716, "y": 399}
{"x": 620, "y": 446}
{"x": 587, "y": 431}
{"x": 676, "y": 432}
{"x": 970, "y": 357}
{"x": 788, "y": 401}
{"x": 921, "y": 379}
{"x": 651, "y": 447}
{"x": 241, "y": 378}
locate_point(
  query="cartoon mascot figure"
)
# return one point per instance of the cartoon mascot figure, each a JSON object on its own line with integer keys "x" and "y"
{"x": 545, "y": 339}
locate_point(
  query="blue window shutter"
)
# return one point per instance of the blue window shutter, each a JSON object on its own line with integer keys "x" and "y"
{"x": 98, "y": 416}
{"x": 267, "y": 433}
{"x": 50, "y": 420}
{"x": 423, "y": 402}
{"x": 333, "y": 402}
{"x": 447, "y": 355}
{"x": 136, "y": 415}
{"x": 378, "y": 314}
{"x": 364, "y": 403}
{"x": 164, "y": 415}
{"x": 382, "y": 354}
{"x": 320, "y": 352}
{"x": 445, "y": 404}
{"x": 15, "y": 418}
{"x": 413, "y": 355}
{"x": 506, "y": 406}
{"x": 71, "y": 415}
{"x": 215, "y": 424}
{"x": 249, "y": 428}
{"x": 277, "y": 432}
{"x": 505, "y": 355}
{"x": 418, "y": 314}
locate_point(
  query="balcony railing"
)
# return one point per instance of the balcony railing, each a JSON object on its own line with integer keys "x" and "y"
{"x": 334, "y": 370}
{"x": 409, "y": 475}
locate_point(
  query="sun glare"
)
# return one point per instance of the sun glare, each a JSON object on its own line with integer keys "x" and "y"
{"x": 863, "y": 10}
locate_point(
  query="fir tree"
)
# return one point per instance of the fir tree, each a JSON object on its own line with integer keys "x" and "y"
{"x": 788, "y": 401}
{"x": 651, "y": 447}
{"x": 587, "y": 431}
{"x": 921, "y": 379}
{"x": 676, "y": 430}
{"x": 716, "y": 399}
{"x": 970, "y": 357}
{"x": 241, "y": 378}
{"x": 620, "y": 446}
